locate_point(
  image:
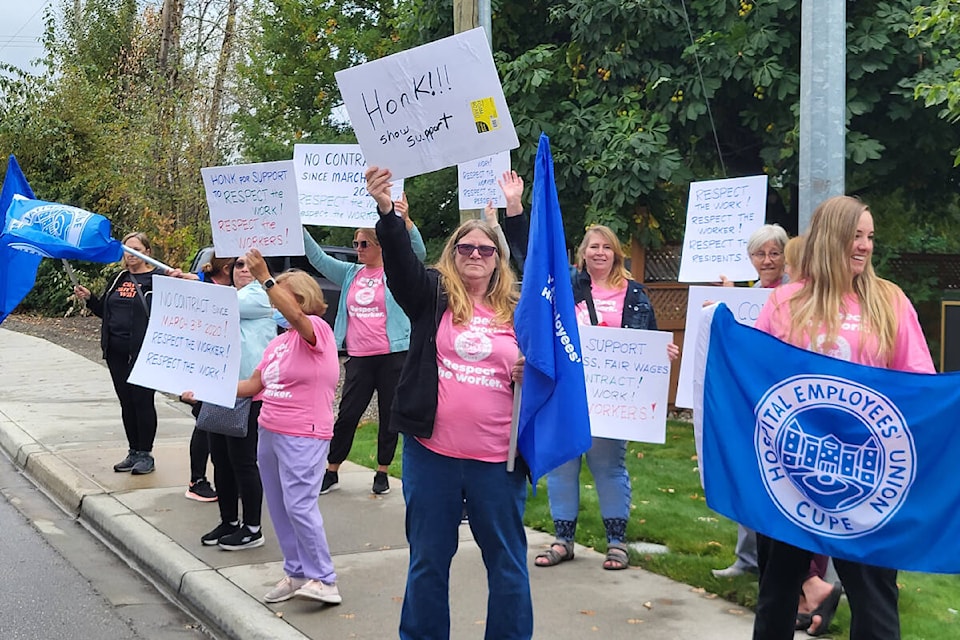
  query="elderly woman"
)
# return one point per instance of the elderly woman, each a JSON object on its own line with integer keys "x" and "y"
{"x": 605, "y": 295}
{"x": 296, "y": 380}
{"x": 766, "y": 250}
{"x": 842, "y": 309}
{"x": 376, "y": 335}
{"x": 454, "y": 405}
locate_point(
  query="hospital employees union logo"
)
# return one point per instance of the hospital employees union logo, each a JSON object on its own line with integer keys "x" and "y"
{"x": 473, "y": 346}
{"x": 840, "y": 486}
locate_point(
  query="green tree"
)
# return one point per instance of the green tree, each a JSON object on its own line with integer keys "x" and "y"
{"x": 937, "y": 26}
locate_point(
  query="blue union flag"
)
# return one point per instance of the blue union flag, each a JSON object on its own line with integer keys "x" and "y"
{"x": 843, "y": 459}
{"x": 56, "y": 230}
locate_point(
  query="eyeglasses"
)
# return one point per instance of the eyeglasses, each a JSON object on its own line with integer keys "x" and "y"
{"x": 484, "y": 250}
{"x": 773, "y": 255}
{"x": 361, "y": 244}
{"x": 239, "y": 264}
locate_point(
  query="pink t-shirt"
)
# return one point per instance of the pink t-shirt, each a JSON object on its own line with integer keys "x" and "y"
{"x": 299, "y": 381}
{"x": 910, "y": 352}
{"x": 475, "y": 399}
{"x": 609, "y": 306}
{"x": 367, "y": 314}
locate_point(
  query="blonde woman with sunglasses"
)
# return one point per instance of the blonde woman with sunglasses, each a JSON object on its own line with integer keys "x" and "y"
{"x": 375, "y": 333}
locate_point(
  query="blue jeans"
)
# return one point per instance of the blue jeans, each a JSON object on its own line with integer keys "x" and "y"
{"x": 607, "y": 461}
{"x": 434, "y": 488}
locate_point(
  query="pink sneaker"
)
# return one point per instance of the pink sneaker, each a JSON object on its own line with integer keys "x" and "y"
{"x": 316, "y": 590}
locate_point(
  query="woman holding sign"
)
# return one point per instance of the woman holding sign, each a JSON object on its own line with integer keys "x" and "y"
{"x": 125, "y": 310}
{"x": 376, "y": 334}
{"x": 841, "y": 309}
{"x": 454, "y": 404}
{"x": 605, "y": 295}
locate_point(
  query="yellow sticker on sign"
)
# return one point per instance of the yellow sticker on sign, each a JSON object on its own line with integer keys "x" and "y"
{"x": 485, "y": 115}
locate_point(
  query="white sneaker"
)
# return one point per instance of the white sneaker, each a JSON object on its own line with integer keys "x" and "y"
{"x": 316, "y": 590}
{"x": 285, "y": 589}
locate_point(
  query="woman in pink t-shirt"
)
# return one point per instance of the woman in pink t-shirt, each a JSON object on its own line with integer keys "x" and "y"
{"x": 454, "y": 406}
{"x": 296, "y": 379}
{"x": 605, "y": 295}
{"x": 842, "y": 309}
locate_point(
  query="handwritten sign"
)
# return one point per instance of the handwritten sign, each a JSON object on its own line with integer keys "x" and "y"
{"x": 332, "y": 188}
{"x": 192, "y": 341}
{"x": 429, "y": 107}
{"x": 744, "y": 302}
{"x": 627, "y": 372}
{"x": 254, "y": 205}
{"x": 721, "y": 215}
{"x": 478, "y": 181}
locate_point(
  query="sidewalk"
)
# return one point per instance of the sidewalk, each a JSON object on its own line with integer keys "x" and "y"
{"x": 60, "y": 420}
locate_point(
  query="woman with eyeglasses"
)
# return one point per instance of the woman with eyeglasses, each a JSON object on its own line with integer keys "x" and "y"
{"x": 454, "y": 405}
{"x": 605, "y": 295}
{"x": 766, "y": 251}
{"x": 375, "y": 333}
{"x": 839, "y": 308}
{"x": 235, "y": 469}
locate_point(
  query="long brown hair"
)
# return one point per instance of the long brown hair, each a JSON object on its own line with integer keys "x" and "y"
{"x": 501, "y": 294}
{"x": 825, "y": 268}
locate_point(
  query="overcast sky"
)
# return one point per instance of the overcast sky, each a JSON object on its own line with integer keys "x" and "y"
{"x": 21, "y": 25}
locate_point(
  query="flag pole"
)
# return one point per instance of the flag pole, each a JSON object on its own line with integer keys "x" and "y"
{"x": 70, "y": 273}
{"x": 514, "y": 426}
{"x": 147, "y": 258}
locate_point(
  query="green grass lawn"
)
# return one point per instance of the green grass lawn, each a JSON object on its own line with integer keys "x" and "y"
{"x": 669, "y": 508}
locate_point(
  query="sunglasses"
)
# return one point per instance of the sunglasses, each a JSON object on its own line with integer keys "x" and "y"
{"x": 239, "y": 264}
{"x": 484, "y": 250}
{"x": 361, "y": 244}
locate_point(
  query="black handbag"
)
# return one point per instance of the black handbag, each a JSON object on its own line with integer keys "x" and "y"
{"x": 228, "y": 421}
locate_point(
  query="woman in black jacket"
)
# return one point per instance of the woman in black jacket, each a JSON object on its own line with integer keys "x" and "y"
{"x": 604, "y": 295}
{"x": 125, "y": 310}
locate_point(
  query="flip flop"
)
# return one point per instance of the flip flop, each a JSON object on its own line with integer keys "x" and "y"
{"x": 826, "y": 611}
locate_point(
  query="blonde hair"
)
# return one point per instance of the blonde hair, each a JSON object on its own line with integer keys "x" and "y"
{"x": 367, "y": 234}
{"x": 793, "y": 254}
{"x": 825, "y": 268}
{"x": 305, "y": 289}
{"x": 501, "y": 291}
{"x": 618, "y": 272}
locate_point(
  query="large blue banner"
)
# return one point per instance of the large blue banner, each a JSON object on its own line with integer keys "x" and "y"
{"x": 56, "y": 230}
{"x": 18, "y": 270}
{"x": 554, "y": 424}
{"x": 839, "y": 458}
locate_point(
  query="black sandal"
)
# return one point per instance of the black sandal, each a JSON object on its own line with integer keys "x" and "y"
{"x": 617, "y": 558}
{"x": 553, "y": 557}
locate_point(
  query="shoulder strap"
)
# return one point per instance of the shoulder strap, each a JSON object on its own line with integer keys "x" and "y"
{"x": 588, "y": 298}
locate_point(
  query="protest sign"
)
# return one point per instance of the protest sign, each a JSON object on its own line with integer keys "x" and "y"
{"x": 332, "y": 188}
{"x": 429, "y": 107}
{"x": 254, "y": 205}
{"x": 192, "y": 341}
{"x": 627, "y": 372}
{"x": 744, "y": 302}
{"x": 721, "y": 215}
{"x": 478, "y": 181}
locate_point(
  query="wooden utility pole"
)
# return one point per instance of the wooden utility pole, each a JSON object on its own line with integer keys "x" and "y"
{"x": 470, "y": 14}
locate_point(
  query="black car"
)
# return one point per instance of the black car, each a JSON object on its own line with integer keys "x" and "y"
{"x": 279, "y": 264}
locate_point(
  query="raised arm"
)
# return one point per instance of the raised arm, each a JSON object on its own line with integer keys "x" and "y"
{"x": 406, "y": 275}
{"x": 333, "y": 269}
{"x": 416, "y": 240}
{"x": 281, "y": 298}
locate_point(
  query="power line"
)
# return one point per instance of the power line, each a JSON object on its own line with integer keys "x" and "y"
{"x": 6, "y": 44}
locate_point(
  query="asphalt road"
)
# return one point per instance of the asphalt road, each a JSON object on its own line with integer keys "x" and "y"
{"x": 59, "y": 581}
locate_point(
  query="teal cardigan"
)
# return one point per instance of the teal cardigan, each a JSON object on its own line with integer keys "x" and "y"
{"x": 343, "y": 273}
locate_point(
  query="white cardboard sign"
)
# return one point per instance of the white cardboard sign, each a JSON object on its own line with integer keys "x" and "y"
{"x": 429, "y": 107}
{"x": 192, "y": 341}
{"x": 744, "y": 302}
{"x": 721, "y": 215}
{"x": 254, "y": 205}
{"x": 332, "y": 188}
{"x": 627, "y": 372}
{"x": 478, "y": 181}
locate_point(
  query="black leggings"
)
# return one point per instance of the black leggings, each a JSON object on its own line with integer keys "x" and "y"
{"x": 236, "y": 474}
{"x": 137, "y": 410}
{"x": 363, "y": 376}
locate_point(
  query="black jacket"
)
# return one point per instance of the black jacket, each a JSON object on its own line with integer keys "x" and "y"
{"x": 417, "y": 290}
{"x": 141, "y": 314}
{"x": 637, "y": 309}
